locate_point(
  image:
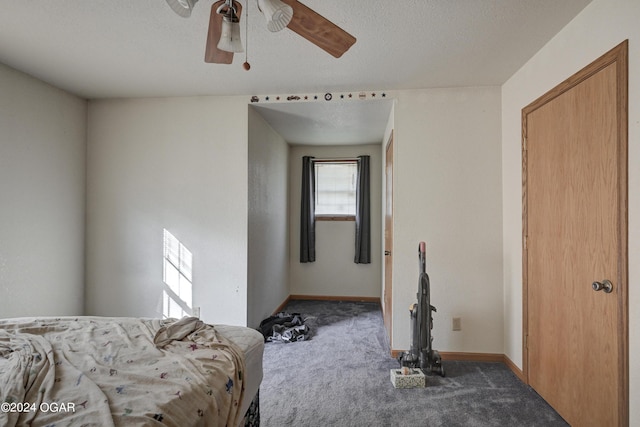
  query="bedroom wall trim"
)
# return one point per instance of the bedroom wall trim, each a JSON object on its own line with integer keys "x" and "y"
{"x": 281, "y": 306}
{"x": 472, "y": 357}
{"x": 476, "y": 357}
{"x": 514, "y": 368}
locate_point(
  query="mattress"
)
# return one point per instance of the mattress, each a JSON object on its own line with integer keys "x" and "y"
{"x": 251, "y": 342}
{"x": 119, "y": 371}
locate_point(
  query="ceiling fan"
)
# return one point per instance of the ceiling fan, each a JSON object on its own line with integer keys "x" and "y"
{"x": 223, "y": 37}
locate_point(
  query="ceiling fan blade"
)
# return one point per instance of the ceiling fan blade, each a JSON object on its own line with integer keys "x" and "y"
{"x": 319, "y": 30}
{"x": 212, "y": 54}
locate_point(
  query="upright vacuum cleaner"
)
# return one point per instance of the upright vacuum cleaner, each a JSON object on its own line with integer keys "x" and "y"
{"x": 421, "y": 354}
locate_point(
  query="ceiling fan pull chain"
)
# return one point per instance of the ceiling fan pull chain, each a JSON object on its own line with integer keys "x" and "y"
{"x": 246, "y": 64}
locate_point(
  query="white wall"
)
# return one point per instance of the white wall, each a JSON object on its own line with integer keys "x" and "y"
{"x": 599, "y": 27}
{"x": 42, "y": 188}
{"x": 174, "y": 163}
{"x": 334, "y": 273}
{"x": 268, "y": 247}
{"x": 447, "y": 192}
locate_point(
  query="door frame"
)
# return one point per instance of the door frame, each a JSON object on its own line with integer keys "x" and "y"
{"x": 618, "y": 56}
{"x": 387, "y": 295}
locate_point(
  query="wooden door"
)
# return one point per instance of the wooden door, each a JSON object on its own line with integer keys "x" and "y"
{"x": 388, "y": 238}
{"x": 575, "y": 234}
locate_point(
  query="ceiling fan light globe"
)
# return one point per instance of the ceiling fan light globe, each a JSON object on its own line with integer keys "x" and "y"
{"x": 277, "y": 14}
{"x": 230, "y": 37}
{"x": 182, "y": 7}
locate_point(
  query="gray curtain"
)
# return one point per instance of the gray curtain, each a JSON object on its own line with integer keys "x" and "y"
{"x": 308, "y": 212}
{"x": 363, "y": 213}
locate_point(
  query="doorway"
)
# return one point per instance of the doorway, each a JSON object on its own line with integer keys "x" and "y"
{"x": 329, "y": 129}
{"x": 575, "y": 309}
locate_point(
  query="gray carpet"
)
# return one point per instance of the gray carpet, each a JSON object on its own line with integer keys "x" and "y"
{"x": 341, "y": 378}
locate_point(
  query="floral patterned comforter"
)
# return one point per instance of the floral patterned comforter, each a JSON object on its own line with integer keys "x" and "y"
{"x": 95, "y": 371}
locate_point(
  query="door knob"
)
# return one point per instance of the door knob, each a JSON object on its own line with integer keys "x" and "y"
{"x": 605, "y": 285}
{"x": 387, "y": 253}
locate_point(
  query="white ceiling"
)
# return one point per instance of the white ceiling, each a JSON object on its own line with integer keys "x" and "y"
{"x": 141, "y": 48}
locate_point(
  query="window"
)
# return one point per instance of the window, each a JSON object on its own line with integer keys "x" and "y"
{"x": 336, "y": 189}
{"x": 177, "y": 298}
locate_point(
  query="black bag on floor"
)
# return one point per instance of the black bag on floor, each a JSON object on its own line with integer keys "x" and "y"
{"x": 284, "y": 327}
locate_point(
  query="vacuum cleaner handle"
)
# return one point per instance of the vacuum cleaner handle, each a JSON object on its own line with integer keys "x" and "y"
{"x": 422, "y": 256}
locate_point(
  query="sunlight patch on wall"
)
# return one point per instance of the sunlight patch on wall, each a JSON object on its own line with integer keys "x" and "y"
{"x": 177, "y": 294}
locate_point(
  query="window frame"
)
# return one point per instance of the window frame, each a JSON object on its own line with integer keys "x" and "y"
{"x": 334, "y": 217}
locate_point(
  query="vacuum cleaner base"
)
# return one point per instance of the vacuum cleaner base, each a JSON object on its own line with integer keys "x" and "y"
{"x": 433, "y": 364}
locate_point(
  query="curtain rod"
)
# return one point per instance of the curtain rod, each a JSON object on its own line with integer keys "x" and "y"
{"x": 336, "y": 159}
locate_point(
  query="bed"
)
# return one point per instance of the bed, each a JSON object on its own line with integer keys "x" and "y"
{"x": 99, "y": 371}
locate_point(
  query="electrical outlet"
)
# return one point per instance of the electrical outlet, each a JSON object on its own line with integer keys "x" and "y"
{"x": 196, "y": 312}
{"x": 457, "y": 324}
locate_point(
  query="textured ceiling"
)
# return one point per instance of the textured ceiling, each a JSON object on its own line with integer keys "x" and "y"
{"x": 321, "y": 123}
{"x": 141, "y": 48}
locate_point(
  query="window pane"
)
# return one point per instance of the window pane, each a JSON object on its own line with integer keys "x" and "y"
{"x": 336, "y": 188}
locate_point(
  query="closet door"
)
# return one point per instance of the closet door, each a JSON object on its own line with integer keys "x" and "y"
{"x": 575, "y": 239}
